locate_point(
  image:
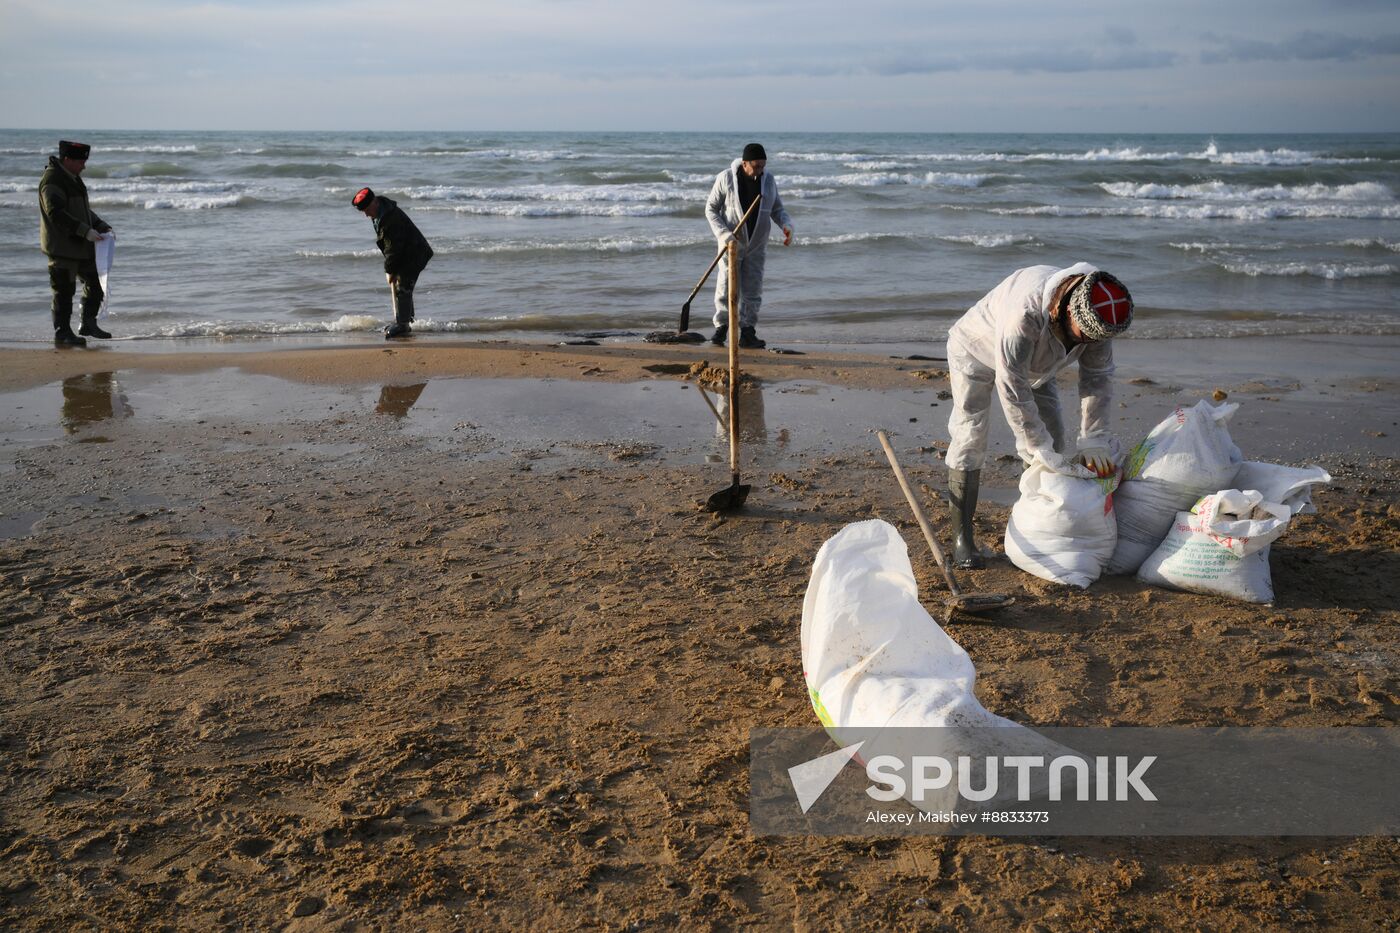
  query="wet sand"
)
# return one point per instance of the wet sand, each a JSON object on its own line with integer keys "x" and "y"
{"x": 433, "y": 636}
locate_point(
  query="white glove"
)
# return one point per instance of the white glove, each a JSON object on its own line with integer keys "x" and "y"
{"x": 93, "y": 236}
{"x": 726, "y": 238}
{"x": 1099, "y": 454}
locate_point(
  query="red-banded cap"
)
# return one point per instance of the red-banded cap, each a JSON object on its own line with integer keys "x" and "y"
{"x": 362, "y": 198}
{"x": 1101, "y": 306}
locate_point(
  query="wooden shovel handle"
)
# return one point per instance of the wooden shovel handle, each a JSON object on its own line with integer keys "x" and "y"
{"x": 734, "y": 359}
{"x": 919, "y": 514}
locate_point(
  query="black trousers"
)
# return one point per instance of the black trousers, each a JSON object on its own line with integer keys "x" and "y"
{"x": 403, "y": 295}
{"x": 63, "y": 280}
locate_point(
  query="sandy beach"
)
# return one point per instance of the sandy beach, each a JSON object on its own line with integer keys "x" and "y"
{"x": 434, "y": 636}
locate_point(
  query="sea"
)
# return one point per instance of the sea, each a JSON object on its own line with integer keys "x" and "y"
{"x": 237, "y": 237}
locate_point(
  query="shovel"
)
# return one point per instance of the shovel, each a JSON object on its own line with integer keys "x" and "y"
{"x": 732, "y": 497}
{"x": 685, "y": 308}
{"x": 958, "y": 601}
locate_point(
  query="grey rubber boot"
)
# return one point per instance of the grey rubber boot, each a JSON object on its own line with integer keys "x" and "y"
{"x": 962, "y": 502}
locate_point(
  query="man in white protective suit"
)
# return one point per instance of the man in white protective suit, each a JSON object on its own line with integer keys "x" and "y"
{"x": 1013, "y": 342}
{"x": 734, "y": 190}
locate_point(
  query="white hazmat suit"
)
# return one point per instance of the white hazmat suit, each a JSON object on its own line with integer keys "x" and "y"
{"x": 1005, "y": 343}
{"x": 723, "y": 210}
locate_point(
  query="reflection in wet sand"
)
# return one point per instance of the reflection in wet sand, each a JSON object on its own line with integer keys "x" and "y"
{"x": 752, "y": 423}
{"x": 395, "y": 401}
{"x": 90, "y": 398}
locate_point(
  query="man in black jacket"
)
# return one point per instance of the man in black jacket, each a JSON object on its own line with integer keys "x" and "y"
{"x": 405, "y": 251}
{"x": 67, "y": 231}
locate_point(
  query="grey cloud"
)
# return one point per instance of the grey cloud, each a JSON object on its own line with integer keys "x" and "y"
{"x": 894, "y": 65}
{"x": 1309, "y": 46}
{"x": 913, "y": 65}
{"x": 1071, "y": 61}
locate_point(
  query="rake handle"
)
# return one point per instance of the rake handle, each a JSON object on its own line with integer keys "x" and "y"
{"x": 919, "y": 514}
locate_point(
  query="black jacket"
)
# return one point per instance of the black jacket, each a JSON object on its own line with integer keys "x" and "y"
{"x": 406, "y": 250}
{"x": 64, "y": 214}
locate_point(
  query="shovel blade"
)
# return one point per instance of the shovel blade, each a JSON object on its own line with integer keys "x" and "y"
{"x": 976, "y": 604}
{"x": 729, "y": 499}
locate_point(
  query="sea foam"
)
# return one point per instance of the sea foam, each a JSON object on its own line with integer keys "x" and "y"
{"x": 1220, "y": 191}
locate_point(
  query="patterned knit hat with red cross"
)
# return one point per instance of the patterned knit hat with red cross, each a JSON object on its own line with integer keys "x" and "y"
{"x": 1101, "y": 306}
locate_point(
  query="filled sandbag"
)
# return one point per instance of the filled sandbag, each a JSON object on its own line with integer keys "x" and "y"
{"x": 1189, "y": 454}
{"x": 1063, "y": 527}
{"x": 881, "y": 673}
{"x": 871, "y": 654}
{"x": 1221, "y": 547}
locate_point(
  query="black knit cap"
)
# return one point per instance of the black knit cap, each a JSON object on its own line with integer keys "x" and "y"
{"x": 72, "y": 150}
{"x": 753, "y": 152}
{"x": 362, "y": 198}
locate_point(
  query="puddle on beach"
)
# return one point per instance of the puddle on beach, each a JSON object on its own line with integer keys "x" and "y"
{"x": 676, "y": 418}
{"x": 662, "y": 418}
{"x": 18, "y": 525}
{"x": 562, "y": 420}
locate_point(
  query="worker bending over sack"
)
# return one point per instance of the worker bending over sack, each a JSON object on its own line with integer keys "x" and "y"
{"x": 1034, "y": 324}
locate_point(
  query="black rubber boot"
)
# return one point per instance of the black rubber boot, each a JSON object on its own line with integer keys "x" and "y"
{"x": 721, "y": 334}
{"x": 748, "y": 339}
{"x": 403, "y": 316}
{"x": 89, "y": 326}
{"x": 962, "y": 502}
{"x": 63, "y": 335}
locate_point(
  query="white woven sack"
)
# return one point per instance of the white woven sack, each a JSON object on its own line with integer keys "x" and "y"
{"x": 1062, "y": 528}
{"x": 1221, "y": 547}
{"x": 1290, "y": 486}
{"x": 882, "y": 673}
{"x": 1189, "y": 454}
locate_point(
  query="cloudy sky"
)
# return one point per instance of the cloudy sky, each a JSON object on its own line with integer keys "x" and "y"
{"x": 732, "y": 65}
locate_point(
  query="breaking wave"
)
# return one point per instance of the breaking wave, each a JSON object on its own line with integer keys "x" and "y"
{"x": 163, "y": 149}
{"x": 1371, "y": 243}
{"x": 166, "y": 187}
{"x": 1252, "y": 212}
{"x": 1220, "y": 191}
{"x": 877, "y": 179}
{"x": 529, "y": 247}
{"x": 518, "y": 155}
{"x": 582, "y": 209}
{"x": 1322, "y": 270}
{"x": 1209, "y": 153}
{"x": 992, "y": 240}
{"x": 644, "y": 193}
{"x": 171, "y": 202}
